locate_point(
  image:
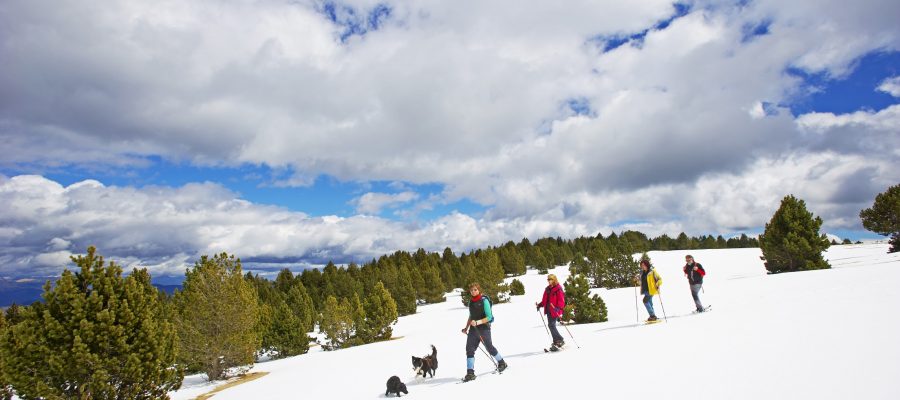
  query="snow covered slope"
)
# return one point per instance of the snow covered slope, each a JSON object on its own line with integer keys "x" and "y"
{"x": 825, "y": 334}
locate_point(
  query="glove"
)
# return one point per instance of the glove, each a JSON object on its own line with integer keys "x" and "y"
{"x": 537, "y": 307}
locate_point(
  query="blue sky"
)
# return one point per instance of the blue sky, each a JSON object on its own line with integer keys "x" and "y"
{"x": 291, "y": 133}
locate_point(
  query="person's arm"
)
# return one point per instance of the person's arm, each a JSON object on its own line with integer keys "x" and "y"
{"x": 488, "y": 315}
{"x": 700, "y": 270}
{"x": 468, "y": 323}
{"x": 658, "y": 279}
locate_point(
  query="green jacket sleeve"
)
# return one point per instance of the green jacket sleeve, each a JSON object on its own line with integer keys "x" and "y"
{"x": 487, "y": 311}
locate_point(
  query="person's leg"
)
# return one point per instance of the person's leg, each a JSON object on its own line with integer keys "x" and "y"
{"x": 648, "y": 303}
{"x": 471, "y": 344}
{"x": 695, "y": 292}
{"x": 489, "y": 345}
{"x": 551, "y": 322}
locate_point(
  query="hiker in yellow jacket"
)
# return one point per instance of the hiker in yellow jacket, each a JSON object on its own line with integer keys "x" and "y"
{"x": 650, "y": 284}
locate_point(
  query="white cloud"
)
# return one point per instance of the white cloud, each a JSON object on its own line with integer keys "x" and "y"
{"x": 373, "y": 203}
{"x": 891, "y": 86}
{"x": 884, "y": 120}
{"x": 757, "y": 111}
{"x": 166, "y": 229}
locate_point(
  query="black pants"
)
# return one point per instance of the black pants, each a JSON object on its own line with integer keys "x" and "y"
{"x": 551, "y": 322}
{"x": 472, "y": 340}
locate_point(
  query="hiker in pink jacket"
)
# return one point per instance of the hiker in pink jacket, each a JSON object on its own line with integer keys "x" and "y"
{"x": 554, "y": 301}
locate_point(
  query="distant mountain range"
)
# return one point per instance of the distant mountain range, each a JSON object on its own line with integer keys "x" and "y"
{"x": 27, "y": 291}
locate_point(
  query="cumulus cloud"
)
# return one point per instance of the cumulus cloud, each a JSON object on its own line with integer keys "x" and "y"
{"x": 521, "y": 109}
{"x": 891, "y": 86}
{"x": 373, "y": 203}
{"x": 166, "y": 229}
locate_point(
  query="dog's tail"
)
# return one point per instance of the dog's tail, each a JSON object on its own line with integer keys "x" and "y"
{"x": 433, "y": 351}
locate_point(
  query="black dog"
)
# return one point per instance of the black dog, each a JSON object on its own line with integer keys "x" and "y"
{"x": 395, "y": 386}
{"x": 426, "y": 364}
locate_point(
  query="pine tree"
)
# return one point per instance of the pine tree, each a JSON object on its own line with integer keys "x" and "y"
{"x": 301, "y": 304}
{"x": 217, "y": 315}
{"x": 489, "y": 273}
{"x": 619, "y": 269}
{"x": 433, "y": 292}
{"x": 791, "y": 240}
{"x": 708, "y": 242}
{"x": 516, "y": 288}
{"x": 6, "y": 391}
{"x": 883, "y": 217}
{"x": 381, "y": 313}
{"x": 337, "y": 323}
{"x": 513, "y": 262}
{"x": 454, "y": 266}
{"x": 284, "y": 281}
{"x": 312, "y": 281}
{"x": 95, "y": 335}
{"x": 581, "y": 306}
{"x": 284, "y": 334}
{"x": 540, "y": 260}
{"x": 13, "y": 314}
{"x": 720, "y": 242}
{"x": 405, "y": 296}
{"x": 361, "y": 335}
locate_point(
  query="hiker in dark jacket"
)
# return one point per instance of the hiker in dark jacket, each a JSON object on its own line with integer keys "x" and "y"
{"x": 694, "y": 273}
{"x": 553, "y": 302}
{"x": 478, "y": 330}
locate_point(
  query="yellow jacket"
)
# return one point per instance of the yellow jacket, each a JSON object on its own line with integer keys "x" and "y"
{"x": 654, "y": 281}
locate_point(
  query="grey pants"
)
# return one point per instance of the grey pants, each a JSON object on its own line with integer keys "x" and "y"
{"x": 695, "y": 292}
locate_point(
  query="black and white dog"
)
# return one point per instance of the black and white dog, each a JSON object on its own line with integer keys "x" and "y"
{"x": 426, "y": 364}
{"x": 394, "y": 385}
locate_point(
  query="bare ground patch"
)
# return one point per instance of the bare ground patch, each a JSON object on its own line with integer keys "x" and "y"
{"x": 243, "y": 379}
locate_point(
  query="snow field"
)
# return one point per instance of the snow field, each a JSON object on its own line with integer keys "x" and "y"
{"x": 818, "y": 334}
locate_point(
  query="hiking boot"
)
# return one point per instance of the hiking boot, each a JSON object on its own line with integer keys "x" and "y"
{"x": 559, "y": 343}
{"x": 554, "y": 348}
{"x": 652, "y": 318}
{"x": 470, "y": 375}
{"x": 501, "y": 365}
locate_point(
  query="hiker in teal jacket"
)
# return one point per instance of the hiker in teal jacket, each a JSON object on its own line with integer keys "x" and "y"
{"x": 478, "y": 330}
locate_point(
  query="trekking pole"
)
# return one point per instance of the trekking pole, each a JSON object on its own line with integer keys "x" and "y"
{"x": 478, "y": 332}
{"x": 545, "y": 324}
{"x": 570, "y": 334}
{"x": 637, "y": 318}
{"x": 659, "y": 292}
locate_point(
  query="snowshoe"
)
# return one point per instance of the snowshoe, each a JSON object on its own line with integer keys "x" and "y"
{"x": 501, "y": 366}
{"x": 470, "y": 376}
